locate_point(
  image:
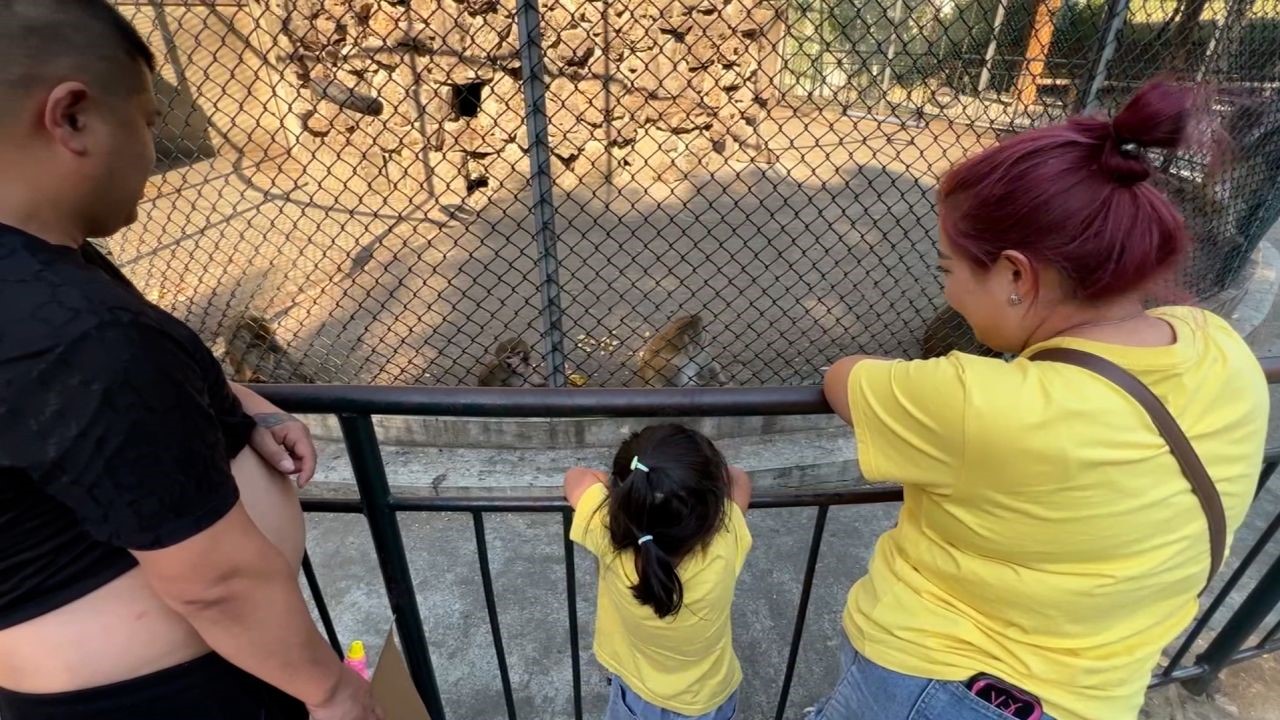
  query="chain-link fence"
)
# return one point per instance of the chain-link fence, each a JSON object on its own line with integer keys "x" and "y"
{"x": 635, "y": 191}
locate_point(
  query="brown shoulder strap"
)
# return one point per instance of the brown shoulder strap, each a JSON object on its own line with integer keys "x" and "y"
{"x": 1206, "y": 492}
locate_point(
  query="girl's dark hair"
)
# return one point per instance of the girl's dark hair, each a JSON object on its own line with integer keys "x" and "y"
{"x": 680, "y": 501}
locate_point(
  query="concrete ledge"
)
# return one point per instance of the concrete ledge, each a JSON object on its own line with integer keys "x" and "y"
{"x": 1257, "y": 290}
{"x": 809, "y": 460}
{"x": 538, "y": 433}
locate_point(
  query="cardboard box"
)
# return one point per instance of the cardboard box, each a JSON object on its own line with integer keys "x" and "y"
{"x": 393, "y": 687}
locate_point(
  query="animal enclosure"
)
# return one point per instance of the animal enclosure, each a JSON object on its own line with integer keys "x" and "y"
{"x": 386, "y": 191}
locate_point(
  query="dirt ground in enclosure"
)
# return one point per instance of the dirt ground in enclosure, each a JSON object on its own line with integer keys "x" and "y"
{"x": 827, "y": 250}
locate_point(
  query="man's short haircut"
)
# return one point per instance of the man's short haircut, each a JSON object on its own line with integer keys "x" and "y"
{"x": 45, "y": 42}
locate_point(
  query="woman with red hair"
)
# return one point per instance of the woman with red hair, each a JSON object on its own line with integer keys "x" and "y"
{"x": 1055, "y": 530}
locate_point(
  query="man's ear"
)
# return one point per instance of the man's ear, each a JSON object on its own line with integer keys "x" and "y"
{"x": 65, "y": 117}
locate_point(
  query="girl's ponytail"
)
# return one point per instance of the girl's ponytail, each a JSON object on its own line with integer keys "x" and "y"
{"x": 657, "y": 582}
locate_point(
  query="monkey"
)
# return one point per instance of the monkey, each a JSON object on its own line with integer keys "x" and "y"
{"x": 510, "y": 366}
{"x": 677, "y": 357}
{"x": 256, "y": 355}
{"x": 948, "y": 332}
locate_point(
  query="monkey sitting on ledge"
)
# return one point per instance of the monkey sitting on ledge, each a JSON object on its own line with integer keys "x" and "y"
{"x": 677, "y": 357}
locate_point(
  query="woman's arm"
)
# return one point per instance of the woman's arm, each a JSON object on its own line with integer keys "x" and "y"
{"x": 578, "y": 480}
{"x": 835, "y": 385}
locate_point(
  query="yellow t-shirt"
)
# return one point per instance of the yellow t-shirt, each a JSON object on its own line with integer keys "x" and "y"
{"x": 685, "y": 662}
{"x": 1048, "y": 536}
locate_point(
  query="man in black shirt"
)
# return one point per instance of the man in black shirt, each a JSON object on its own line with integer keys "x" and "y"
{"x": 130, "y": 548}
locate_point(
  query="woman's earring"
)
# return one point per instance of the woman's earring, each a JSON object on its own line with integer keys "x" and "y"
{"x": 1015, "y": 299}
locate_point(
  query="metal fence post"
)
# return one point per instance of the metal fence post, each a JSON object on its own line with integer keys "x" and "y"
{"x": 890, "y": 54}
{"x": 1117, "y": 13}
{"x": 984, "y": 78}
{"x": 371, "y": 478}
{"x": 1251, "y": 613}
{"x": 528, "y": 23}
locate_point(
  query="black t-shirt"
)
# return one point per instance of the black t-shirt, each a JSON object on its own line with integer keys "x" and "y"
{"x": 117, "y": 427}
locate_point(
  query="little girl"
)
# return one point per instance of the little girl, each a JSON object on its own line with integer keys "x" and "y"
{"x": 668, "y": 528}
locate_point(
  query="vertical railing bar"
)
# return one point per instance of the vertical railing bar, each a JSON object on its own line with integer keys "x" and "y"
{"x": 1268, "y": 470}
{"x": 815, "y": 545}
{"x": 384, "y": 529}
{"x": 491, "y": 604}
{"x": 1252, "y": 612}
{"x": 322, "y": 608}
{"x": 1271, "y": 635}
{"x": 1212, "y": 608}
{"x": 541, "y": 184}
{"x": 571, "y": 586}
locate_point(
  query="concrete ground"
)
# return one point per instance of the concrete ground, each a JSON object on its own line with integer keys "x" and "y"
{"x": 526, "y": 555}
{"x": 782, "y": 260}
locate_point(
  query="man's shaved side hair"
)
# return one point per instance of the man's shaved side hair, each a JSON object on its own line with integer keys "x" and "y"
{"x": 47, "y": 42}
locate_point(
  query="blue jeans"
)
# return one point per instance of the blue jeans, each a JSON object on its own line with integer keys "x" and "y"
{"x": 624, "y": 704}
{"x": 867, "y": 691}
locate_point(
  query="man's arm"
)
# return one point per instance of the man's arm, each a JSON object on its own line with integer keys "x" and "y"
{"x": 252, "y": 402}
{"x": 241, "y": 596}
{"x": 281, "y": 439}
{"x": 131, "y": 446}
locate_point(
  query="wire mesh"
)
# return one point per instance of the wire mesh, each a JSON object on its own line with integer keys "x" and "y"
{"x": 633, "y": 192}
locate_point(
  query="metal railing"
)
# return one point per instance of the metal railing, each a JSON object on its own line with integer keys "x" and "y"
{"x": 355, "y": 406}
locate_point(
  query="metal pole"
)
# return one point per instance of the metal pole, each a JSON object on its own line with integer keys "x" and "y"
{"x": 985, "y": 78}
{"x": 322, "y": 607}
{"x": 1271, "y": 635}
{"x": 1118, "y": 11}
{"x": 491, "y": 604}
{"x": 1218, "y": 28}
{"x": 1247, "y": 618}
{"x": 889, "y": 54}
{"x": 607, "y": 84}
{"x": 571, "y": 590}
{"x": 384, "y": 530}
{"x": 802, "y": 610}
{"x": 528, "y": 21}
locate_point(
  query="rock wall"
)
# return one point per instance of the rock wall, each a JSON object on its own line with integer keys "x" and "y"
{"x": 424, "y": 97}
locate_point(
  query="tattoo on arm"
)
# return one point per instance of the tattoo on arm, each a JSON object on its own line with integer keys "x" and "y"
{"x": 270, "y": 420}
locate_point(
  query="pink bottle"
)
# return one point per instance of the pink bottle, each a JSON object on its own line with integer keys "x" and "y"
{"x": 357, "y": 660}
